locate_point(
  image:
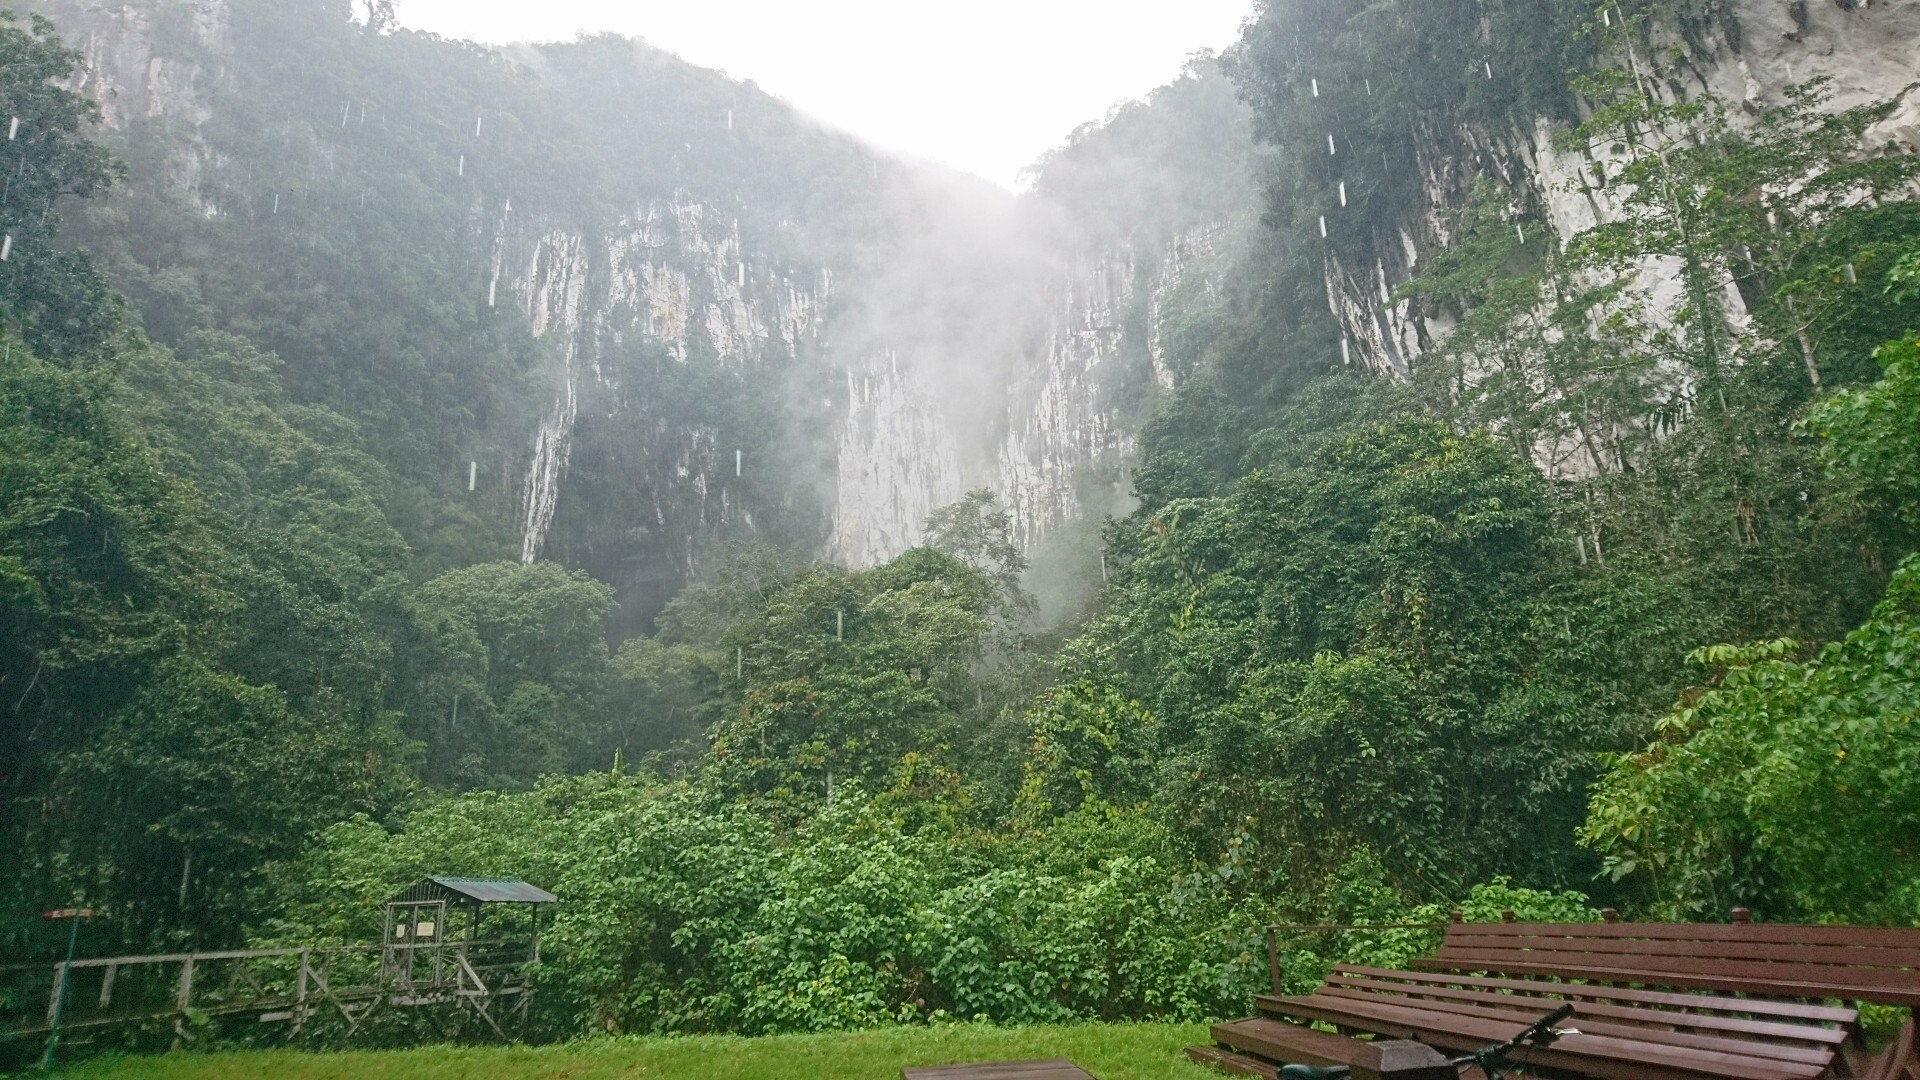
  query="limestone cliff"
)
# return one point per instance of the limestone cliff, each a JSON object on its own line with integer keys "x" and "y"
{"x": 704, "y": 355}
{"x": 1741, "y": 51}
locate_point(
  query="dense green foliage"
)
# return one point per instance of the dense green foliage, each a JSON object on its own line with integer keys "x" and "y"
{"x": 1365, "y": 649}
{"x": 1789, "y": 783}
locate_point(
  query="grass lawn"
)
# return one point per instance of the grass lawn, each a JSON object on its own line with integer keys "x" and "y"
{"x": 1109, "y": 1052}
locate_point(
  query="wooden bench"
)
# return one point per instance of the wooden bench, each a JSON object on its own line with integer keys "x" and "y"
{"x": 1845, "y": 963}
{"x": 1628, "y": 1034}
{"x": 1652, "y": 1001}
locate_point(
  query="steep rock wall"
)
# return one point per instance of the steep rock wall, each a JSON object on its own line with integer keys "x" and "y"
{"x": 702, "y": 364}
{"x": 1748, "y": 52}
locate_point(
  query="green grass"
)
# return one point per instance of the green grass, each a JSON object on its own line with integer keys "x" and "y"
{"x": 1108, "y": 1051}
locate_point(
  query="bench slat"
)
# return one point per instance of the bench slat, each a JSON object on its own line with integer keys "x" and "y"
{"x": 1705, "y": 1023}
{"x": 1822, "y": 1014}
{"x": 1226, "y": 1061}
{"x": 1775, "y": 933}
{"x": 1838, "y": 956}
{"x": 1292, "y": 1044}
{"x": 1605, "y": 1056}
{"x": 1594, "y": 1025}
{"x": 1774, "y": 983}
{"x": 1758, "y": 970}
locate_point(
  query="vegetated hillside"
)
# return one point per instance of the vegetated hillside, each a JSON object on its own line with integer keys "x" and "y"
{"x": 588, "y": 268}
{"x": 1360, "y": 647}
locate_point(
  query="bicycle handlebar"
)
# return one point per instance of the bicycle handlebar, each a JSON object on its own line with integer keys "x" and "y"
{"x": 1540, "y": 1033}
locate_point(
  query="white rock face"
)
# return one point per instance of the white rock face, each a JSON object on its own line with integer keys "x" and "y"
{"x": 654, "y": 257}
{"x": 1048, "y": 438}
{"x": 898, "y": 463}
{"x": 1748, "y": 57}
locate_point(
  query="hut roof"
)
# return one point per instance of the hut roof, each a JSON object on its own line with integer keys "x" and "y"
{"x": 475, "y": 890}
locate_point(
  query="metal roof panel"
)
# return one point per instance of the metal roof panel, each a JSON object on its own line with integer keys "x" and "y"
{"x": 494, "y": 890}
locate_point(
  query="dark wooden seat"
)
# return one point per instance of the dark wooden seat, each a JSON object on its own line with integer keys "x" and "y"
{"x": 1624, "y": 1034}
{"x": 1278, "y": 1040}
{"x": 1845, "y": 963}
{"x": 1653, "y": 1001}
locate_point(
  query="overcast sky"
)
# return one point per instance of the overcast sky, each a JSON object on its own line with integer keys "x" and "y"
{"x": 985, "y": 85}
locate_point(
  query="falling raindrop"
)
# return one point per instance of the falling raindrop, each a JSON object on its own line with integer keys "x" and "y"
{"x": 739, "y": 458}
{"x": 1489, "y": 66}
{"x": 463, "y": 164}
{"x": 729, "y": 119}
{"x": 476, "y": 126}
{"x": 346, "y": 113}
{"x": 1853, "y": 276}
{"x": 1316, "y": 87}
{"x": 1369, "y": 83}
{"x": 1343, "y": 193}
{"x": 1346, "y": 352}
{"x": 1330, "y": 150}
{"x": 6, "y": 247}
{"x": 1607, "y": 14}
{"x": 13, "y": 129}
{"x": 276, "y": 202}
{"x": 1323, "y": 226}
{"x": 839, "y": 626}
{"x": 491, "y": 287}
{"x": 1522, "y": 231}
{"x": 473, "y": 475}
{"x": 740, "y": 275}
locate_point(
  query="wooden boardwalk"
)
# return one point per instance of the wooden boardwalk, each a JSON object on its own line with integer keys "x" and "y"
{"x": 486, "y": 978}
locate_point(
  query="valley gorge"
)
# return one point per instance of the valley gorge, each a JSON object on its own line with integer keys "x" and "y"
{"x": 1428, "y": 454}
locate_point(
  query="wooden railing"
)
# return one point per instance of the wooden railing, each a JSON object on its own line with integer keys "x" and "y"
{"x": 274, "y": 985}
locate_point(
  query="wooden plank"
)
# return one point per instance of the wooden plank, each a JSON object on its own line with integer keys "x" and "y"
{"x": 1054, "y": 1069}
{"x": 1605, "y": 1056}
{"x": 1777, "y": 933}
{"x": 1706, "y": 1023}
{"x": 1233, "y": 1064}
{"x": 1841, "y": 956}
{"x": 1291, "y": 1044}
{"x": 1519, "y": 1014}
{"x": 1746, "y": 983}
{"x": 1822, "y": 1014}
{"x": 1786, "y": 971}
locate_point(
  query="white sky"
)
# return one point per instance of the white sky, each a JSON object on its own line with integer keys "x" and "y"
{"x": 984, "y": 85}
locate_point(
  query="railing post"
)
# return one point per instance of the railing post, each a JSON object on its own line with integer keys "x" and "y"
{"x": 1273, "y": 957}
{"x": 1742, "y": 915}
{"x": 184, "y": 996}
{"x": 1507, "y": 915}
{"x": 1608, "y": 914}
{"x": 181, "y": 1000}
{"x": 53, "y": 999}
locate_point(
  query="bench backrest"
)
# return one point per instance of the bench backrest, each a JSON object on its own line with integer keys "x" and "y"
{"x": 1850, "y": 963}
